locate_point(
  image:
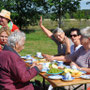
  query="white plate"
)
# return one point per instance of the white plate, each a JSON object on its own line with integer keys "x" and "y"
{"x": 28, "y": 61}
{"x": 44, "y": 70}
{"x": 64, "y": 79}
{"x": 55, "y": 77}
{"x": 23, "y": 57}
{"x": 85, "y": 76}
{"x": 83, "y": 72}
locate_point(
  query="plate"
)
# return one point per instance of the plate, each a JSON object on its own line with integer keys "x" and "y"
{"x": 28, "y": 61}
{"x": 64, "y": 79}
{"x": 24, "y": 57}
{"x": 83, "y": 72}
{"x": 85, "y": 76}
{"x": 44, "y": 70}
{"x": 55, "y": 77}
{"x": 55, "y": 73}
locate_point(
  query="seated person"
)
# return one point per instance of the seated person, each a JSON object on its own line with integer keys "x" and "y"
{"x": 4, "y": 33}
{"x": 15, "y": 42}
{"x": 14, "y": 75}
{"x": 75, "y": 37}
{"x": 5, "y": 20}
{"x": 58, "y": 36}
{"x": 82, "y": 56}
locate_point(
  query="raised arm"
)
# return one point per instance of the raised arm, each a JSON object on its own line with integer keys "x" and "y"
{"x": 47, "y": 32}
{"x": 67, "y": 42}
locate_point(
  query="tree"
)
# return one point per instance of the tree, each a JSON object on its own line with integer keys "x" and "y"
{"x": 61, "y": 7}
{"x": 24, "y": 12}
{"x": 87, "y": 3}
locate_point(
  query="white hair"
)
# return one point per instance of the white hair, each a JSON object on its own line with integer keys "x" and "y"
{"x": 16, "y": 37}
{"x": 85, "y": 31}
{"x": 58, "y": 30}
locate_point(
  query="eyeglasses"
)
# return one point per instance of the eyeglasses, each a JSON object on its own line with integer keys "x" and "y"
{"x": 73, "y": 35}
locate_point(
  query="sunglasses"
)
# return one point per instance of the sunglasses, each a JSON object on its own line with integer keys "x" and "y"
{"x": 73, "y": 35}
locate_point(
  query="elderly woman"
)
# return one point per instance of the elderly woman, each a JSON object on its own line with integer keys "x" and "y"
{"x": 58, "y": 36}
{"x": 4, "y": 33}
{"x": 81, "y": 57}
{"x": 5, "y": 20}
{"x": 13, "y": 71}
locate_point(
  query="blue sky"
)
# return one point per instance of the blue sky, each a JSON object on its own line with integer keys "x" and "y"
{"x": 83, "y": 4}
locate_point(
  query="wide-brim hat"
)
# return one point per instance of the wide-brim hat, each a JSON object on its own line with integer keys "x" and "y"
{"x": 6, "y": 14}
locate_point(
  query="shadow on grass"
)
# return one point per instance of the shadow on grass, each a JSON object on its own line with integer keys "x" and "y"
{"x": 27, "y": 31}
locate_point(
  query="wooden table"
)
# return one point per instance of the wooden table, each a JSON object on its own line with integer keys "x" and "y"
{"x": 60, "y": 83}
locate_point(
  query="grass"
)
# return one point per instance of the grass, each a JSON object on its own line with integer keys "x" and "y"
{"x": 37, "y": 41}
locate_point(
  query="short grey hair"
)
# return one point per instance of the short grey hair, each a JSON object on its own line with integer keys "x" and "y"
{"x": 58, "y": 30}
{"x": 16, "y": 37}
{"x": 85, "y": 31}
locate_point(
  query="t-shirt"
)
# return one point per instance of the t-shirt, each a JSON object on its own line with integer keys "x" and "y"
{"x": 14, "y": 27}
{"x": 72, "y": 48}
{"x": 81, "y": 57}
{"x": 61, "y": 47}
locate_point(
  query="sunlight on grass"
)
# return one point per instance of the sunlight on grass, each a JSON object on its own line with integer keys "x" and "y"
{"x": 39, "y": 42}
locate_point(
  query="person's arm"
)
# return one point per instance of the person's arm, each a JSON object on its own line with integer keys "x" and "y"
{"x": 19, "y": 70}
{"x": 67, "y": 42}
{"x": 59, "y": 58}
{"x": 47, "y": 32}
{"x": 81, "y": 68}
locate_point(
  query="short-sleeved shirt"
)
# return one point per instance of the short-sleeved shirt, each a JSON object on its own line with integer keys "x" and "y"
{"x": 81, "y": 57}
{"x": 61, "y": 47}
{"x": 11, "y": 26}
{"x": 14, "y": 27}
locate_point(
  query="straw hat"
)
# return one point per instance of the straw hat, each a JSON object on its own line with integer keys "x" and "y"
{"x": 6, "y": 14}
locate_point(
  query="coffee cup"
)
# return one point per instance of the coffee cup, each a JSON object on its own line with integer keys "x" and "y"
{"x": 67, "y": 76}
{"x": 60, "y": 63}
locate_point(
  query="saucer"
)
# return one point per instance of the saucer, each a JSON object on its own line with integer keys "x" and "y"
{"x": 55, "y": 77}
{"x": 85, "y": 76}
{"x": 64, "y": 79}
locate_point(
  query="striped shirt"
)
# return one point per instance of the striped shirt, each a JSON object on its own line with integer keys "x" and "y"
{"x": 81, "y": 57}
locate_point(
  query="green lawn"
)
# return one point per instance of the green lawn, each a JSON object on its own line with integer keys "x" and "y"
{"x": 38, "y": 42}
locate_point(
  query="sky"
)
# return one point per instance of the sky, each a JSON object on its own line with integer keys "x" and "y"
{"x": 83, "y": 4}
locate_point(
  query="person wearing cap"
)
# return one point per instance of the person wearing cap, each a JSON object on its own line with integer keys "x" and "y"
{"x": 80, "y": 58}
{"x": 4, "y": 33}
{"x": 5, "y": 20}
{"x": 58, "y": 36}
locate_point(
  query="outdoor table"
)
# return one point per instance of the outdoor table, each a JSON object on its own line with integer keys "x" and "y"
{"x": 60, "y": 83}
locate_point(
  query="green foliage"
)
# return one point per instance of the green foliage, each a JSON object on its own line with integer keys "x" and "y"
{"x": 61, "y": 7}
{"x": 25, "y": 12}
{"x": 67, "y": 16}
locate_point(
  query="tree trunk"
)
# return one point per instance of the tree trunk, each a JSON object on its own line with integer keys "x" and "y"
{"x": 20, "y": 27}
{"x": 60, "y": 22}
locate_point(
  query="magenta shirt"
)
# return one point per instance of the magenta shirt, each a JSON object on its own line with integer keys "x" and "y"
{"x": 13, "y": 72}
